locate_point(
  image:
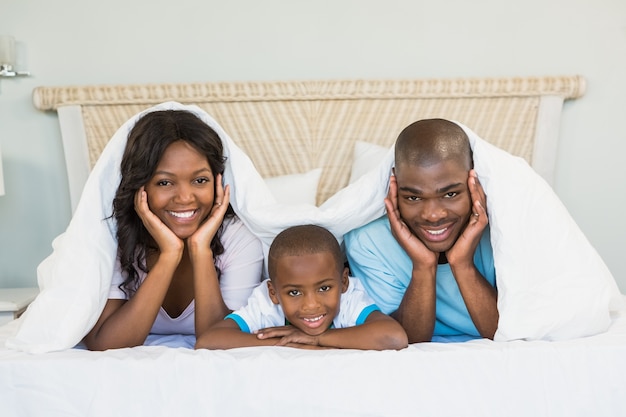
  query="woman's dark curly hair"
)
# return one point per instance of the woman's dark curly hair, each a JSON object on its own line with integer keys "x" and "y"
{"x": 147, "y": 142}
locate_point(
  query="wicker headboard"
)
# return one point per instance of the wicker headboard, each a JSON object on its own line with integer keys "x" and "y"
{"x": 294, "y": 126}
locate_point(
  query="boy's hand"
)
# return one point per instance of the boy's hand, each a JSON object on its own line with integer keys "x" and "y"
{"x": 417, "y": 251}
{"x": 288, "y": 335}
{"x": 465, "y": 246}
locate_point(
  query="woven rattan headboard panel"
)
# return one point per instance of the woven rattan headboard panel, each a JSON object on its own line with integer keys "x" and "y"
{"x": 293, "y": 126}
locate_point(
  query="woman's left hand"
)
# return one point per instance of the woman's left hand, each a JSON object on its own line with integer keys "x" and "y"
{"x": 201, "y": 238}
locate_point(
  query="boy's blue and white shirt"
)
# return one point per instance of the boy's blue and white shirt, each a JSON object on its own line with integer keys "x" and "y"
{"x": 354, "y": 307}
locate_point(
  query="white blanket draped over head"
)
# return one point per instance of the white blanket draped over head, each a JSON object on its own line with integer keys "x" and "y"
{"x": 551, "y": 282}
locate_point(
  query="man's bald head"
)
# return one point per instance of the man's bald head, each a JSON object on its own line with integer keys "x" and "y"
{"x": 430, "y": 141}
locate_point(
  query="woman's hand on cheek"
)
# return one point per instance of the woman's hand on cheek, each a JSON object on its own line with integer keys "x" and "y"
{"x": 201, "y": 239}
{"x": 163, "y": 236}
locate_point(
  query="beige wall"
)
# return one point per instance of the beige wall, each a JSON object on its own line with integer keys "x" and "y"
{"x": 119, "y": 41}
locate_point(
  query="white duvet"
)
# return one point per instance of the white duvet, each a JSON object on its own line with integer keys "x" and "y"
{"x": 552, "y": 284}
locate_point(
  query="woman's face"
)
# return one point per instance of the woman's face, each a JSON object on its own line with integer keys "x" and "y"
{"x": 181, "y": 192}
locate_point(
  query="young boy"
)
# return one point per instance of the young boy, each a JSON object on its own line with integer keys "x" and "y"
{"x": 309, "y": 302}
{"x": 429, "y": 262}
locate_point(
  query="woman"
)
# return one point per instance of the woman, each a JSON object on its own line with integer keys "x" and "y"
{"x": 184, "y": 258}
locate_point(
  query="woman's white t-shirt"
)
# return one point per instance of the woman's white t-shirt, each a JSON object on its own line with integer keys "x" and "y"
{"x": 241, "y": 267}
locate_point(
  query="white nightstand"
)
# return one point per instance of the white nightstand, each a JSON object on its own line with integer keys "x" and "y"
{"x": 13, "y": 302}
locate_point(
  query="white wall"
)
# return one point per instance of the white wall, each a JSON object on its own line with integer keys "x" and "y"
{"x": 67, "y": 42}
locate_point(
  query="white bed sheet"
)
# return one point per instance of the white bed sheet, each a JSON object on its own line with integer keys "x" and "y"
{"x": 578, "y": 377}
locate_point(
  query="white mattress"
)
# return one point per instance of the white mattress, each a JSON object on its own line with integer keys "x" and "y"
{"x": 579, "y": 377}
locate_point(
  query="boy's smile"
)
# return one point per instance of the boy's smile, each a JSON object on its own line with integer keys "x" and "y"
{"x": 308, "y": 288}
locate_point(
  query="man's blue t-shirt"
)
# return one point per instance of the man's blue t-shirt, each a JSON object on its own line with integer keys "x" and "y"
{"x": 384, "y": 268}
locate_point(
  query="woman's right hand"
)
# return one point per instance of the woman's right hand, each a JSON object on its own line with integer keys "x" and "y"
{"x": 163, "y": 235}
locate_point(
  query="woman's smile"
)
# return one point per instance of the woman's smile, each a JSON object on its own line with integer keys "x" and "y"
{"x": 183, "y": 215}
{"x": 181, "y": 191}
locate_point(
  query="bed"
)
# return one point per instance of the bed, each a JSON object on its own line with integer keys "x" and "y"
{"x": 325, "y": 141}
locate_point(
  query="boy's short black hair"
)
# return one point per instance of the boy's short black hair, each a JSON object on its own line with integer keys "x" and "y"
{"x": 303, "y": 240}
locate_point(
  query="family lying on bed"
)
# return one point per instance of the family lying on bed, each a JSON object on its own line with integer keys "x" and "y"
{"x": 186, "y": 261}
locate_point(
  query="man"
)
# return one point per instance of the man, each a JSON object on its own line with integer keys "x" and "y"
{"x": 429, "y": 262}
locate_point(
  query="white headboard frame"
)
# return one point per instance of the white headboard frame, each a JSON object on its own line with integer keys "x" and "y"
{"x": 519, "y": 114}
{"x": 75, "y": 150}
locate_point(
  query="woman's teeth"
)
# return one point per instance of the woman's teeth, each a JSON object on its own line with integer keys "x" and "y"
{"x": 182, "y": 214}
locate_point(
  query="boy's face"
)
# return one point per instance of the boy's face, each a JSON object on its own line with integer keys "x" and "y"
{"x": 434, "y": 201}
{"x": 308, "y": 288}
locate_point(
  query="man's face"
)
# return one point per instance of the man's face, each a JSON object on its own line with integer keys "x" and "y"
{"x": 434, "y": 201}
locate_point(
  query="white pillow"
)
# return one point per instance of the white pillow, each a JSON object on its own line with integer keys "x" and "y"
{"x": 295, "y": 188}
{"x": 366, "y": 157}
